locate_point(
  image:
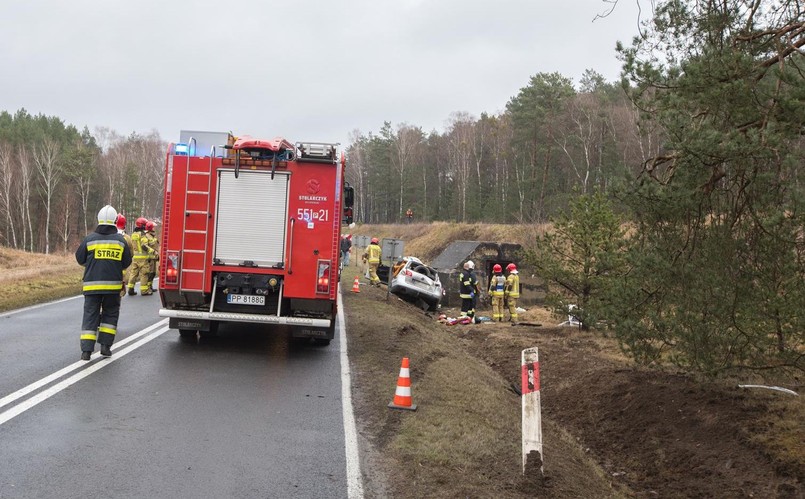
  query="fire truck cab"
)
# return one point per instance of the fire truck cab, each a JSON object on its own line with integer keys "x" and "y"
{"x": 251, "y": 232}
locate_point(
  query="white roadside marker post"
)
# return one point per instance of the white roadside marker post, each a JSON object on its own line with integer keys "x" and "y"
{"x": 532, "y": 417}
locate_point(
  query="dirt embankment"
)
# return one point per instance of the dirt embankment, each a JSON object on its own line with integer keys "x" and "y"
{"x": 609, "y": 429}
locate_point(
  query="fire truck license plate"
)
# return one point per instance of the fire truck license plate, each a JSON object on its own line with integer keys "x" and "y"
{"x": 246, "y": 299}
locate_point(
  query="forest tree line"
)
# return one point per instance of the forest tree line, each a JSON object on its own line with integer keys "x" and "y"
{"x": 54, "y": 179}
{"x": 521, "y": 165}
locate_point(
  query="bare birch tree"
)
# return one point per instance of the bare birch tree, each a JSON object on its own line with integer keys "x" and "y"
{"x": 47, "y": 160}
{"x": 6, "y": 182}
{"x": 23, "y": 196}
{"x": 460, "y": 156}
{"x": 406, "y": 142}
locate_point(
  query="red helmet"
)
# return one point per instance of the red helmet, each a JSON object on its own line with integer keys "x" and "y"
{"x": 140, "y": 223}
{"x": 120, "y": 221}
{"x": 497, "y": 268}
{"x": 149, "y": 225}
{"x": 511, "y": 267}
{"x": 374, "y": 240}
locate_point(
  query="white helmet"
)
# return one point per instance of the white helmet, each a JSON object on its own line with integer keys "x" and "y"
{"x": 469, "y": 265}
{"x": 107, "y": 216}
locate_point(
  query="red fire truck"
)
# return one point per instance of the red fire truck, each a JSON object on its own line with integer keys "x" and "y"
{"x": 251, "y": 232}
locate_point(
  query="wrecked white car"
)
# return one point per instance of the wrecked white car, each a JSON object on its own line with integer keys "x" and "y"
{"x": 413, "y": 279}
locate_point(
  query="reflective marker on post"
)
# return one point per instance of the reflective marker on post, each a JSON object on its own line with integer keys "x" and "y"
{"x": 532, "y": 418}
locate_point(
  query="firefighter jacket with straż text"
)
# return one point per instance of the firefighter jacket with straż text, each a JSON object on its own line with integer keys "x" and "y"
{"x": 104, "y": 255}
{"x": 513, "y": 285}
{"x": 468, "y": 284}
{"x": 373, "y": 253}
{"x": 496, "y": 285}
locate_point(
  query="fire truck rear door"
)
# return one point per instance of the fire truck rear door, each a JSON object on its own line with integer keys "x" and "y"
{"x": 251, "y": 218}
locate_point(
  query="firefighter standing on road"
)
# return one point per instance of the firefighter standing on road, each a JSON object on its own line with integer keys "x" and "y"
{"x": 512, "y": 291}
{"x": 468, "y": 289}
{"x": 496, "y": 290}
{"x": 142, "y": 250}
{"x": 120, "y": 222}
{"x": 372, "y": 255}
{"x": 105, "y": 255}
{"x": 153, "y": 258}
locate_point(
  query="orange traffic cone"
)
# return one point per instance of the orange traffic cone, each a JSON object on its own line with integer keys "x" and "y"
{"x": 402, "y": 396}
{"x": 356, "y": 285}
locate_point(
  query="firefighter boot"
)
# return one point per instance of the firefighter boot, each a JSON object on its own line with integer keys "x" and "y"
{"x": 106, "y": 350}
{"x": 86, "y": 355}
{"x": 131, "y": 291}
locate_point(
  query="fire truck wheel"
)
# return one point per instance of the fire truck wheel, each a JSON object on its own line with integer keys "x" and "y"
{"x": 187, "y": 334}
{"x": 321, "y": 342}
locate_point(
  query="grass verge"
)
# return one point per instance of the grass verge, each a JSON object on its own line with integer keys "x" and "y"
{"x": 29, "y": 278}
{"x": 464, "y": 440}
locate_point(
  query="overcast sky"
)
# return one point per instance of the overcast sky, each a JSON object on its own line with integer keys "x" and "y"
{"x": 304, "y": 69}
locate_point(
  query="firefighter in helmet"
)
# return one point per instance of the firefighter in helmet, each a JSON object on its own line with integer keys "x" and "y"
{"x": 512, "y": 291}
{"x": 496, "y": 287}
{"x": 153, "y": 258}
{"x": 120, "y": 222}
{"x": 372, "y": 256}
{"x": 142, "y": 251}
{"x": 468, "y": 289}
{"x": 105, "y": 255}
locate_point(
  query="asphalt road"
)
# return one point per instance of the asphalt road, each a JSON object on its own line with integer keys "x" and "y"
{"x": 246, "y": 414}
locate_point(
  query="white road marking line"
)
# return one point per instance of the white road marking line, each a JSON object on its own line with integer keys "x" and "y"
{"x": 33, "y": 307}
{"x": 354, "y": 483}
{"x": 95, "y": 366}
{"x": 72, "y": 367}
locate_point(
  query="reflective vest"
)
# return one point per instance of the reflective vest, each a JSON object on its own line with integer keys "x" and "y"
{"x": 373, "y": 253}
{"x": 513, "y": 285}
{"x": 497, "y": 285}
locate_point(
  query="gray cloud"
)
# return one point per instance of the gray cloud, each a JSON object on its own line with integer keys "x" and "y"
{"x": 308, "y": 70}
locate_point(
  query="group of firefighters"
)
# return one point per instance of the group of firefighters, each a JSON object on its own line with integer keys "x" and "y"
{"x": 144, "y": 245}
{"x": 503, "y": 291}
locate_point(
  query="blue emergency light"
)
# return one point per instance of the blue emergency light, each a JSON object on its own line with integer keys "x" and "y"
{"x": 181, "y": 149}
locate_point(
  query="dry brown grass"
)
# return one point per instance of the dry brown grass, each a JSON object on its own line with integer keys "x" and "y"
{"x": 427, "y": 241}
{"x": 468, "y": 417}
{"x": 30, "y": 278}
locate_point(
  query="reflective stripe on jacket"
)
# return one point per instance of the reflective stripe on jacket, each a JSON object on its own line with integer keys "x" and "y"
{"x": 104, "y": 255}
{"x": 142, "y": 245}
{"x": 497, "y": 284}
{"x": 373, "y": 253}
{"x": 153, "y": 243}
{"x": 513, "y": 285}
{"x": 468, "y": 284}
